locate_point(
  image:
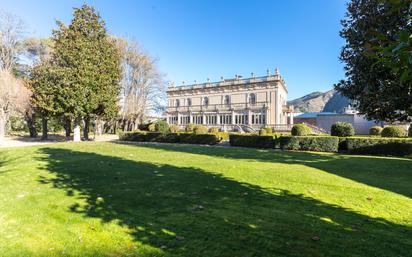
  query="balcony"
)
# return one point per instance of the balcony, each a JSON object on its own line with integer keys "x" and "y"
{"x": 219, "y": 107}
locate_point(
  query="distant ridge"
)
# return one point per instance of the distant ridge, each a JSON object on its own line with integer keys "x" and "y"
{"x": 330, "y": 101}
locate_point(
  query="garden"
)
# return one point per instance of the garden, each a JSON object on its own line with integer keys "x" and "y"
{"x": 390, "y": 140}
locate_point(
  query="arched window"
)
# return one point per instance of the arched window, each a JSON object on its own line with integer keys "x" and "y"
{"x": 189, "y": 102}
{"x": 252, "y": 98}
{"x": 226, "y": 100}
{"x": 177, "y": 103}
{"x": 206, "y": 101}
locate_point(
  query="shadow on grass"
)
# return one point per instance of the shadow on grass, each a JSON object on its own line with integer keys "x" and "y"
{"x": 391, "y": 174}
{"x": 190, "y": 212}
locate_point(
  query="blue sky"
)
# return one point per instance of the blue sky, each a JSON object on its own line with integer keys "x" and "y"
{"x": 194, "y": 40}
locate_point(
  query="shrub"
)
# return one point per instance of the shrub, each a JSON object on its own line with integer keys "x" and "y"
{"x": 300, "y": 130}
{"x": 151, "y": 127}
{"x": 379, "y": 146}
{"x": 144, "y": 126}
{"x": 393, "y": 131}
{"x": 162, "y": 126}
{"x": 375, "y": 130}
{"x": 252, "y": 141}
{"x": 189, "y": 127}
{"x": 174, "y": 128}
{"x": 203, "y": 139}
{"x": 410, "y": 131}
{"x": 200, "y": 129}
{"x": 262, "y": 132}
{"x": 310, "y": 143}
{"x": 268, "y": 131}
{"x": 213, "y": 130}
{"x": 342, "y": 129}
{"x": 222, "y": 135}
{"x": 138, "y": 136}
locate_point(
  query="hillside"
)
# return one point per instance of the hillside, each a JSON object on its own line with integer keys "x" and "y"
{"x": 330, "y": 101}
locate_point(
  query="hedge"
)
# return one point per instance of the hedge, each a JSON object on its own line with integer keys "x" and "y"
{"x": 394, "y": 131}
{"x": 252, "y": 141}
{"x": 202, "y": 139}
{"x": 310, "y": 143}
{"x": 300, "y": 130}
{"x": 379, "y": 146}
{"x": 187, "y": 138}
{"x": 342, "y": 129}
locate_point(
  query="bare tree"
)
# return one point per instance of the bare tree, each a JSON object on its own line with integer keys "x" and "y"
{"x": 12, "y": 31}
{"x": 14, "y": 97}
{"x": 142, "y": 87}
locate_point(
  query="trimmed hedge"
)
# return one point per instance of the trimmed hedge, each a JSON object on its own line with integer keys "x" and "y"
{"x": 342, "y": 129}
{"x": 262, "y": 132}
{"x": 252, "y": 141}
{"x": 174, "y": 128}
{"x": 310, "y": 143}
{"x": 379, "y": 146}
{"x": 200, "y": 129}
{"x": 300, "y": 130}
{"x": 202, "y": 139}
{"x": 187, "y": 138}
{"x": 375, "y": 130}
{"x": 394, "y": 131}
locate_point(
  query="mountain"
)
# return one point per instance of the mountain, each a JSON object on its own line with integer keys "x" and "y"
{"x": 330, "y": 101}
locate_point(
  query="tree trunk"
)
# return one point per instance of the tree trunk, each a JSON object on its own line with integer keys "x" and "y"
{"x": 86, "y": 128}
{"x": 76, "y": 130}
{"x": 2, "y": 127}
{"x": 45, "y": 129}
{"x": 68, "y": 127}
{"x": 31, "y": 123}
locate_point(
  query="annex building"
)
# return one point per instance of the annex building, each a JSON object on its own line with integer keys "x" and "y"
{"x": 254, "y": 102}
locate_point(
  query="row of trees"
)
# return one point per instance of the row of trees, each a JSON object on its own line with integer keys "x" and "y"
{"x": 81, "y": 76}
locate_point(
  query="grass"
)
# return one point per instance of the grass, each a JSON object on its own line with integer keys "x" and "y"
{"x": 111, "y": 199}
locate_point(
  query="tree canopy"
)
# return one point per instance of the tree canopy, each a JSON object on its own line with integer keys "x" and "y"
{"x": 378, "y": 58}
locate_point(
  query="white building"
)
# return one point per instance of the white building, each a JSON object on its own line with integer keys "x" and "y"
{"x": 253, "y": 102}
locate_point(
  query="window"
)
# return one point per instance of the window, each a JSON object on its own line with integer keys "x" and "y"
{"x": 177, "y": 103}
{"x": 206, "y": 101}
{"x": 226, "y": 100}
{"x": 252, "y": 98}
{"x": 189, "y": 102}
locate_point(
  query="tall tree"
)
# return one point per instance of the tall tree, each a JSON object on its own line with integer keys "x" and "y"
{"x": 142, "y": 87}
{"x": 12, "y": 31}
{"x": 44, "y": 82}
{"x": 377, "y": 62}
{"x": 14, "y": 97}
{"x": 88, "y": 65}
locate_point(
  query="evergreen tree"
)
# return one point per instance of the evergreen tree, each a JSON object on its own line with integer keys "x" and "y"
{"x": 378, "y": 62}
{"x": 88, "y": 68}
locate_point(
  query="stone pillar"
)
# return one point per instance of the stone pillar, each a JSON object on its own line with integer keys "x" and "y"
{"x": 276, "y": 110}
{"x": 291, "y": 118}
{"x": 178, "y": 118}
{"x": 267, "y": 121}
{"x": 233, "y": 117}
{"x": 249, "y": 117}
{"x": 190, "y": 118}
{"x": 217, "y": 118}
{"x": 204, "y": 119}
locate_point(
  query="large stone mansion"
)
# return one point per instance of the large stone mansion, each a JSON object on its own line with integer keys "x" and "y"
{"x": 254, "y": 102}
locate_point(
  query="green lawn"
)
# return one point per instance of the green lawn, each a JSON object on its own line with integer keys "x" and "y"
{"x": 111, "y": 199}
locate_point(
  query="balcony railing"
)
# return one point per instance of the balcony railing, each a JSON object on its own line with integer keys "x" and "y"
{"x": 218, "y": 107}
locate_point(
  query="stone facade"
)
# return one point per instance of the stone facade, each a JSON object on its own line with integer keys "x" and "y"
{"x": 254, "y": 102}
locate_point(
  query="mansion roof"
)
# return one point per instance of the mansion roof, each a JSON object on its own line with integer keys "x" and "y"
{"x": 237, "y": 81}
